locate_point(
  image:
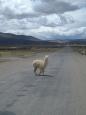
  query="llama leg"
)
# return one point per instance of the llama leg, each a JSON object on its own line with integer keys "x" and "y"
{"x": 35, "y": 68}
{"x": 43, "y": 71}
{"x": 40, "y": 72}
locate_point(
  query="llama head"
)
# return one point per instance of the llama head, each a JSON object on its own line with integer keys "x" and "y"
{"x": 46, "y": 56}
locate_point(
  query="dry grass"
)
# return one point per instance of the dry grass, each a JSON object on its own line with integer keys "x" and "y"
{"x": 81, "y": 50}
{"x": 44, "y": 49}
{"x": 25, "y": 53}
{"x": 17, "y": 53}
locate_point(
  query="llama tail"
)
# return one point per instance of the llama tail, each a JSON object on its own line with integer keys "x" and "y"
{"x": 34, "y": 64}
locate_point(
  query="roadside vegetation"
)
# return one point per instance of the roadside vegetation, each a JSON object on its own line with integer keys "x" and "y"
{"x": 24, "y": 52}
{"x": 81, "y": 49}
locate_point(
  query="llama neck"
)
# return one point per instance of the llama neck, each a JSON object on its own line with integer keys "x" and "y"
{"x": 45, "y": 62}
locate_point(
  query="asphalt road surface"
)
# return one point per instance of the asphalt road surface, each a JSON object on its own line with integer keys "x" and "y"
{"x": 62, "y": 91}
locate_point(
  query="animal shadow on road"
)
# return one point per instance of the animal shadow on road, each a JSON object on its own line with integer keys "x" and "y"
{"x": 6, "y": 113}
{"x": 46, "y": 75}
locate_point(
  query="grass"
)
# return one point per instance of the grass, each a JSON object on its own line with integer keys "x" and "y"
{"x": 25, "y": 53}
{"x": 43, "y": 49}
{"x": 81, "y": 50}
{"x": 17, "y": 53}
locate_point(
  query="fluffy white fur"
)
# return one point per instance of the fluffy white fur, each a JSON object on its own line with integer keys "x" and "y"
{"x": 40, "y": 64}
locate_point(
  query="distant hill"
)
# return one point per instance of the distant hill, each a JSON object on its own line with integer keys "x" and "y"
{"x": 81, "y": 41}
{"x": 14, "y": 36}
{"x": 78, "y": 41}
{"x": 13, "y": 40}
{"x": 7, "y": 39}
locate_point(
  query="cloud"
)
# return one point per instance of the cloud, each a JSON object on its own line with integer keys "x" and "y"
{"x": 43, "y": 18}
{"x": 17, "y": 9}
{"x": 11, "y": 14}
{"x": 57, "y": 20}
{"x": 20, "y": 9}
{"x": 60, "y": 33}
{"x": 49, "y": 7}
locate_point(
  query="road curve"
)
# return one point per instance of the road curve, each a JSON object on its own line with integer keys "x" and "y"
{"x": 62, "y": 91}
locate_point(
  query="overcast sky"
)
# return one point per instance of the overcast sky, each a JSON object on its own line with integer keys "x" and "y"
{"x": 45, "y": 19}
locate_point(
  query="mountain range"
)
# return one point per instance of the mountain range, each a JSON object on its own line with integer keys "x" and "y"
{"x": 8, "y": 39}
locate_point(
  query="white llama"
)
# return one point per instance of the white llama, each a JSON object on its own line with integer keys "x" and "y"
{"x": 40, "y": 64}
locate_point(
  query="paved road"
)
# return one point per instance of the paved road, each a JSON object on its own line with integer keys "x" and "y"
{"x": 62, "y": 91}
